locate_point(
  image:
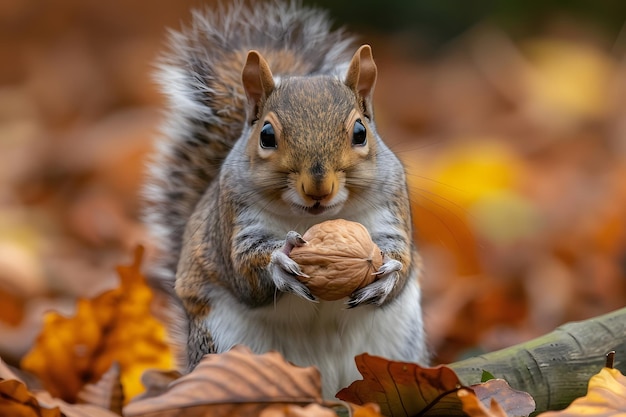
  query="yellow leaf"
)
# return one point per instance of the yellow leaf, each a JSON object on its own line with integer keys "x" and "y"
{"x": 115, "y": 326}
{"x": 568, "y": 79}
{"x": 464, "y": 192}
{"x": 606, "y": 396}
{"x": 474, "y": 170}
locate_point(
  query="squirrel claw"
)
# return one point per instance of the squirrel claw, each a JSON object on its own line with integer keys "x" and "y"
{"x": 294, "y": 239}
{"x": 389, "y": 266}
{"x": 286, "y": 282}
{"x": 294, "y": 269}
{"x": 284, "y": 270}
{"x": 378, "y": 291}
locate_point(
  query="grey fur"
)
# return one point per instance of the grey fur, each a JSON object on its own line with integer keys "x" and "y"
{"x": 196, "y": 135}
{"x": 189, "y": 154}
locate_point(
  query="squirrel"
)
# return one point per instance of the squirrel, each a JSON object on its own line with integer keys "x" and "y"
{"x": 269, "y": 129}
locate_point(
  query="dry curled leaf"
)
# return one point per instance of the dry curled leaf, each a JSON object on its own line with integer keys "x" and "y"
{"x": 107, "y": 393}
{"x": 475, "y": 408}
{"x": 316, "y": 410}
{"x": 606, "y": 397}
{"x": 116, "y": 326}
{"x": 311, "y": 410}
{"x": 237, "y": 382}
{"x": 404, "y": 389}
{"x": 156, "y": 382}
{"x": 17, "y": 400}
{"x": 339, "y": 258}
{"x": 514, "y": 403}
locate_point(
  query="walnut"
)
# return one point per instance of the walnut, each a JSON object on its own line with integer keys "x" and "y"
{"x": 339, "y": 258}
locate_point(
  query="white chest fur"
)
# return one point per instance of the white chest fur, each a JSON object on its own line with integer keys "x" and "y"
{"x": 324, "y": 334}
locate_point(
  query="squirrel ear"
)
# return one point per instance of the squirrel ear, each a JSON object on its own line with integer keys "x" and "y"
{"x": 361, "y": 76}
{"x": 257, "y": 80}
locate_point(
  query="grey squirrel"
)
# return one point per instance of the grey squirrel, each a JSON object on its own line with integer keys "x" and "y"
{"x": 269, "y": 129}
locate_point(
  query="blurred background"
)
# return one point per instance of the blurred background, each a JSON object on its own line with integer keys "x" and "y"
{"x": 510, "y": 117}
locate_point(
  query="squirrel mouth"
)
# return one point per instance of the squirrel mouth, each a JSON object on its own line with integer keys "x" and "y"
{"x": 316, "y": 208}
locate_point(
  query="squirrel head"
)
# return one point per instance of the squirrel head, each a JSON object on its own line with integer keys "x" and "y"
{"x": 311, "y": 143}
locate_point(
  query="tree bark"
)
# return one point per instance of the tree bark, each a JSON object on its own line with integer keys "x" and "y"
{"x": 555, "y": 368}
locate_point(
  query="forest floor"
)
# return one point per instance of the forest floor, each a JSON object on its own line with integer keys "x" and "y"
{"x": 515, "y": 152}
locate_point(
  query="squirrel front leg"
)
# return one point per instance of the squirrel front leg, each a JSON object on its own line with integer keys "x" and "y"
{"x": 265, "y": 263}
{"x": 284, "y": 270}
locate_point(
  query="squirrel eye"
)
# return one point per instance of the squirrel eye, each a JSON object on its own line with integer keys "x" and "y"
{"x": 267, "y": 137}
{"x": 359, "y": 134}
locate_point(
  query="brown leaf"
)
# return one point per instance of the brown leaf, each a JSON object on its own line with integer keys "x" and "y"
{"x": 73, "y": 410}
{"x": 404, "y": 389}
{"x": 156, "y": 382}
{"x": 233, "y": 383}
{"x": 514, "y": 403}
{"x": 16, "y": 400}
{"x": 311, "y": 410}
{"x": 107, "y": 393}
{"x": 473, "y": 406}
{"x": 606, "y": 397}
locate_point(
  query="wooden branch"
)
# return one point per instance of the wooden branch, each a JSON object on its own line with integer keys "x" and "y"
{"x": 555, "y": 368}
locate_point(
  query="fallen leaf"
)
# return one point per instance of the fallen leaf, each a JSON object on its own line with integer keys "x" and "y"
{"x": 567, "y": 79}
{"x": 475, "y": 408}
{"x": 156, "y": 382}
{"x": 17, "y": 400}
{"x": 404, "y": 389}
{"x": 116, "y": 326}
{"x": 606, "y": 396}
{"x": 366, "y": 410}
{"x": 237, "y": 382}
{"x": 513, "y": 402}
{"x": 107, "y": 393}
{"x": 72, "y": 410}
{"x": 311, "y": 410}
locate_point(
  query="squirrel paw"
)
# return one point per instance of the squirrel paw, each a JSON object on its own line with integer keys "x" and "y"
{"x": 378, "y": 291}
{"x": 284, "y": 269}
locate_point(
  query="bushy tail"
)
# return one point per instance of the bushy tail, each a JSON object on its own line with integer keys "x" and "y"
{"x": 200, "y": 76}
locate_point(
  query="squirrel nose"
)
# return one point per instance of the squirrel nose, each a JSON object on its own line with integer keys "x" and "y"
{"x": 318, "y": 190}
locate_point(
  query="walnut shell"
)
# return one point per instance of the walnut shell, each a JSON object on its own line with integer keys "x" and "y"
{"x": 339, "y": 258}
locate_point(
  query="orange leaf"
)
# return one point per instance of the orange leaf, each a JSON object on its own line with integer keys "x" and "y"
{"x": 366, "y": 410}
{"x": 233, "y": 383}
{"x": 606, "y": 396}
{"x": 404, "y": 389}
{"x": 115, "y": 326}
{"x": 16, "y": 400}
